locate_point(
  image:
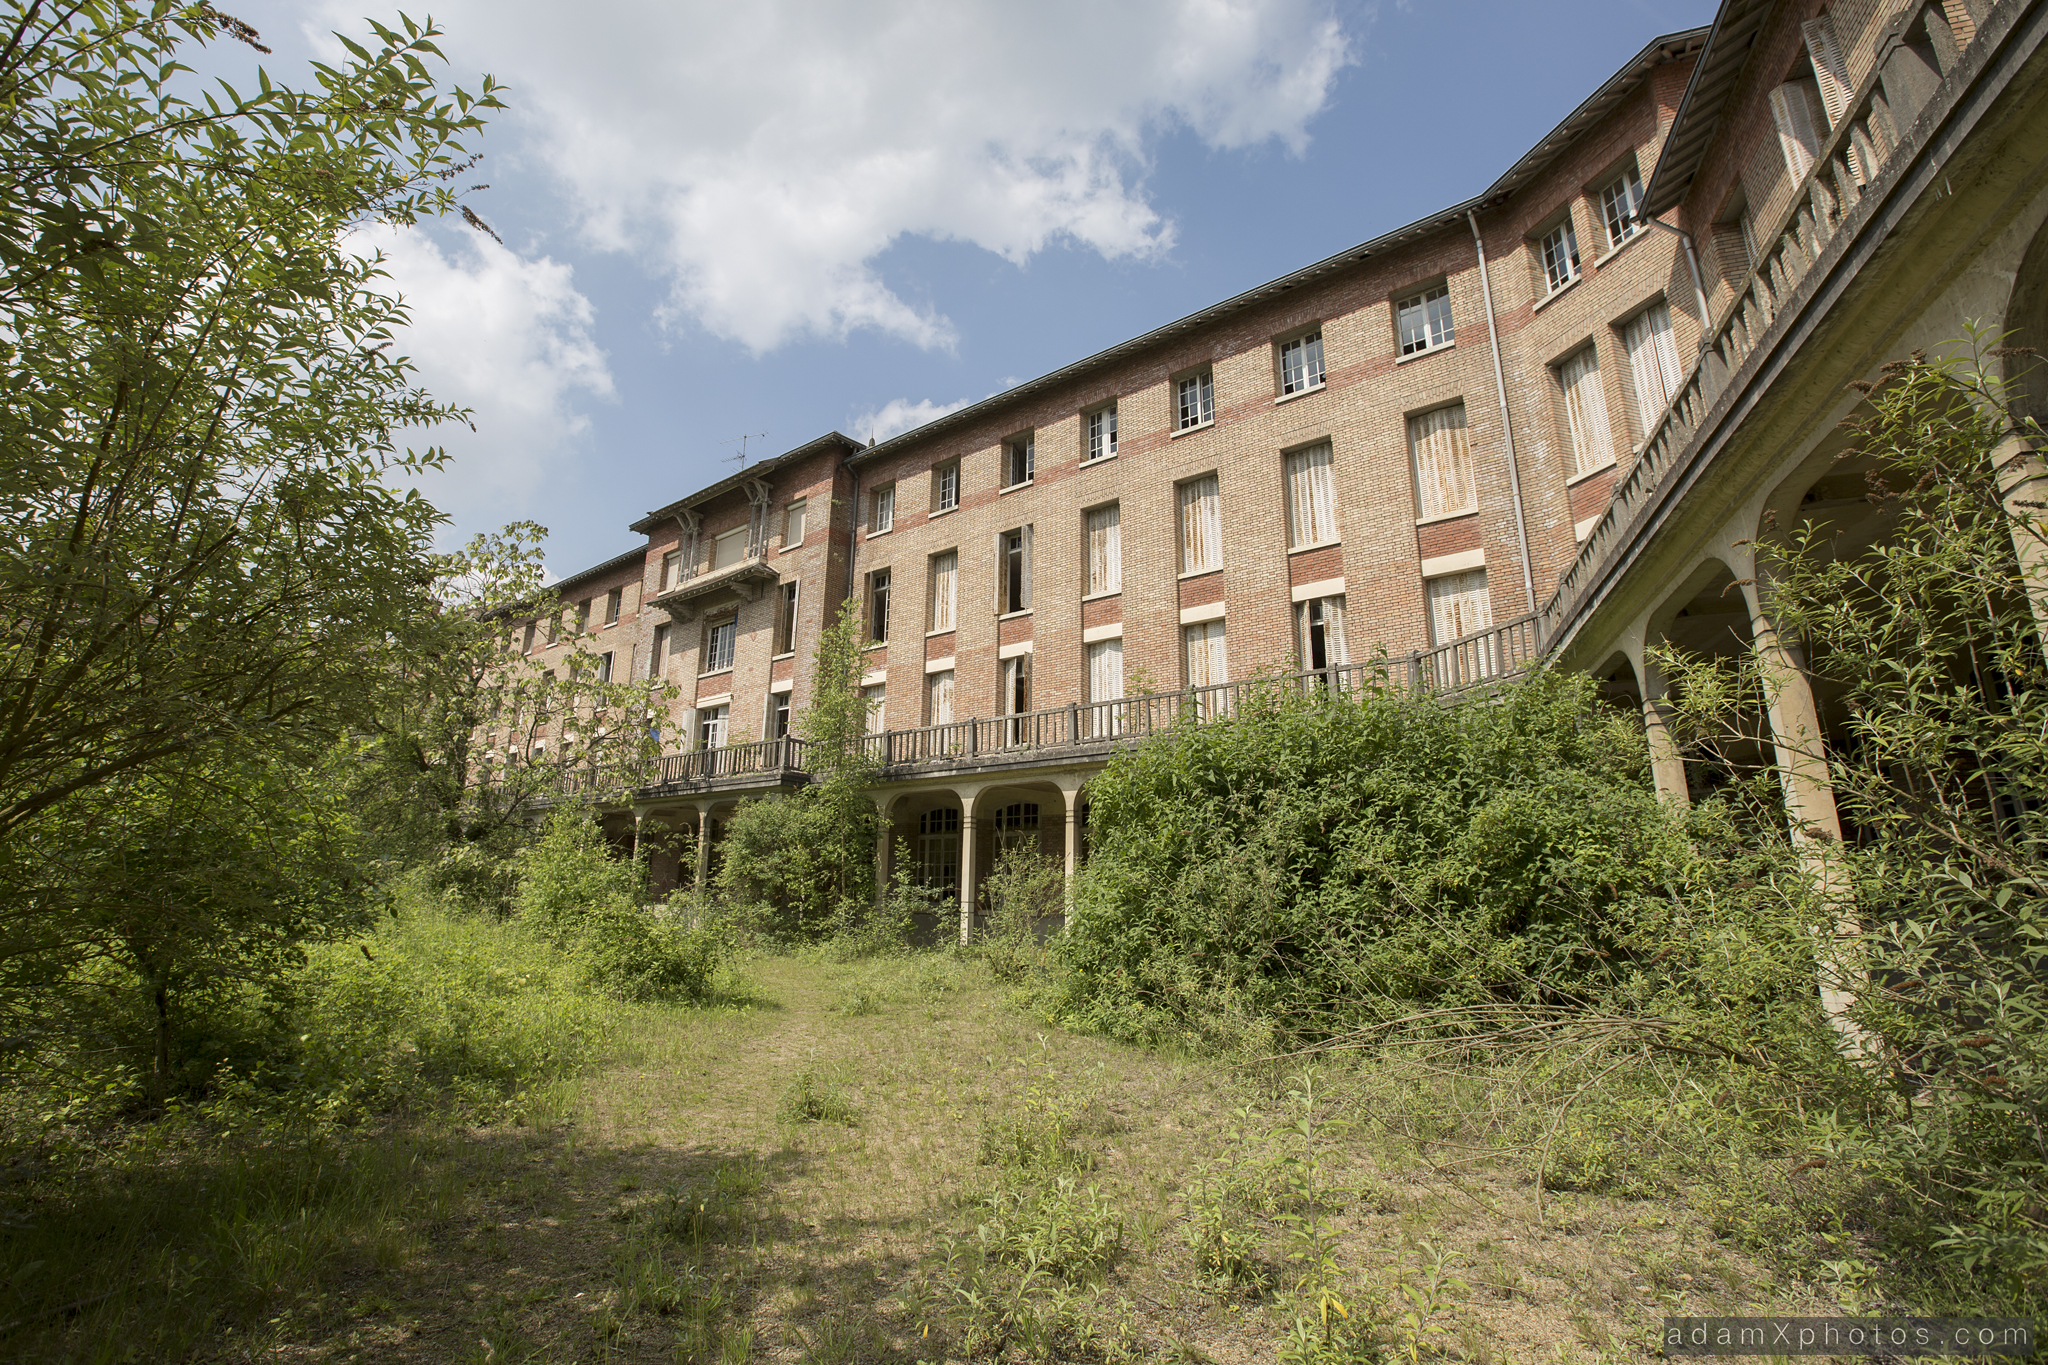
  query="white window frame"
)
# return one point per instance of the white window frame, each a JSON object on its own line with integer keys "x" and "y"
{"x": 1584, "y": 391}
{"x": 944, "y": 592}
{"x": 740, "y": 535}
{"x": 875, "y": 698}
{"x": 1007, "y": 602}
{"x": 1311, "y": 487}
{"x": 1020, "y": 460}
{"x": 939, "y": 688}
{"x": 1458, "y": 604}
{"x": 946, "y": 486}
{"x": 882, "y": 510}
{"x": 1619, "y": 200}
{"x": 1099, "y": 430}
{"x": 1199, "y": 503}
{"x": 1651, "y": 342}
{"x": 1557, "y": 251}
{"x": 1301, "y": 364}
{"x": 715, "y": 660}
{"x": 1424, "y": 322}
{"x": 1324, "y": 615}
{"x": 1195, "y": 399}
{"x": 671, "y": 569}
{"x": 1427, "y": 502}
{"x": 788, "y": 601}
{"x": 714, "y": 724}
{"x": 793, "y": 527}
{"x": 879, "y": 586}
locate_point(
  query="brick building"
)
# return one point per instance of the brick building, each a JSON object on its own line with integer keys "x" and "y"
{"x": 1478, "y": 438}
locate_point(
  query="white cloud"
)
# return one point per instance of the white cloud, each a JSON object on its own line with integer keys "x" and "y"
{"x": 509, "y": 338}
{"x": 761, "y": 157}
{"x": 899, "y": 415}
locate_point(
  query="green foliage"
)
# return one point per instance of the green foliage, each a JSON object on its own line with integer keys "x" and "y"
{"x": 1928, "y": 640}
{"x": 1321, "y": 863}
{"x": 1026, "y": 893}
{"x": 577, "y": 896}
{"x": 1064, "y": 1229}
{"x": 815, "y": 1098}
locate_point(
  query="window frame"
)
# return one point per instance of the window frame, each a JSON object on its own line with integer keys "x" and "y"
{"x": 778, "y": 717}
{"x": 1599, "y": 442}
{"x": 1020, "y": 457}
{"x": 714, "y": 718}
{"x": 731, "y": 534}
{"x": 709, "y": 663}
{"x": 1204, "y": 378}
{"x": 1295, "y": 541}
{"x": 1420, "y": 298}
{"x": 882, "y": 509}
{"x": 799, "y": 509}
{"x": 614, "y": 603}
{"x": 788, "y": 598}
{"x": 1561, "y": 224}
{"x": 1180, "y": 515}
{"x": 875, "y": 701}
{"x": 947, "y": 471}
{"x": 880, "y": 582}
{"x": 1303, "y": 339}
{"x": 1090, "y": 437}
{"x": 1114, "y": 556}
{"x": 1422, "y": 512}
{"x": 1013, "y": 598}
{"x": 1627, "y": 175}
{"x": 671, "y": 569}
{"x": 933, "y": 595}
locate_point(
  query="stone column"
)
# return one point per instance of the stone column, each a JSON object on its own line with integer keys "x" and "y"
{"x": 1070, "y": 790}
{"x": 703, "y": 879}
{"x": 968, "y": 871}
{"x": 2023, "y": 487}
{"x": 1667, "y": 768}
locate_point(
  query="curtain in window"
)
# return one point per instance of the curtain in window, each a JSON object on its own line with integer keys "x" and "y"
{"x": 1105, "y": 684}
{"x": 1208, "y": 665}
{"x": 1585, "y": 407}
{"x": 1443, "y": 462}
{"x": 1458, "y": 606}
{"x": 945, "y": 589}
{"x": 1312, "y": 496}
{"x": 1201, "y": 526}
{"x": 877, "y": 699}
{"x": 1653, "y": 361}
{"x": 1105, "y": 550}
{"x": 939, "y": 699}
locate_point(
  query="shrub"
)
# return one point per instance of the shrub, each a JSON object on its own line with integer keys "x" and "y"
{"x": 1026, "y": 893}
{"x": 471, "y": 877}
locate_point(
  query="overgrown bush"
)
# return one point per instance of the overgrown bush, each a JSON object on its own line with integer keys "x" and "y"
{"x": 474, "y": 878}
{"x": 577, "y": 896}
{"x": 1026, "y": 893}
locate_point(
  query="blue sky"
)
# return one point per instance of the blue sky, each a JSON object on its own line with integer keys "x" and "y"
{"x": 794, "y": 216}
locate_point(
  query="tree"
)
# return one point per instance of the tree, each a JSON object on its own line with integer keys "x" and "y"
{"x": 199, "y": 401}
{"x": 459, "y": 762}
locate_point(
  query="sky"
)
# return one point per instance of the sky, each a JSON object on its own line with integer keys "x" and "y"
{"x": 788, "y": 217}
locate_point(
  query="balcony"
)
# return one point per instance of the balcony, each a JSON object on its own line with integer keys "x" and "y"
{"x": 1874, "y": 160}
{"x": 714, "y": 589}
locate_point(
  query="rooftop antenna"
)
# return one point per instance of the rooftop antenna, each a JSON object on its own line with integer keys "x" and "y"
{"x": 742, "y": 442}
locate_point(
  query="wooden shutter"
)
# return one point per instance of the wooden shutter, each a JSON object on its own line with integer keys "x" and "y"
{"x": 1106, "y": 670}
{"x": 1458, "y": 606}
{"x": 1443, "y": 462}
{"x": 1828, "y": 66}
{"x": 1653, "y": 362}
{"x": 1585, "y": 404}
{"x": 1802, "y": 124}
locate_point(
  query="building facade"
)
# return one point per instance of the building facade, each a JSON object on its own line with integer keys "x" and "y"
{"x": 1546, "y": 421}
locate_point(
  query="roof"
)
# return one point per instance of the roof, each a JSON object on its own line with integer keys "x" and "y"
{"x": 732, "y": 481}
{"x": 1670, "y": 47}
{"x": 1706, "y": 94}
{"x": 636, "y": 555}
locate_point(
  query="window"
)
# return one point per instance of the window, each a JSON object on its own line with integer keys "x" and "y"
{"x": 1585, "y": 411}
{"x": 1016, "y": 826}
{"x": 657, "y": 658}
{"x": 946, "y": 486}
{"x": 1619, "y": 201}
{"x": 1019, "y": 461}
{"x": 1311, "y": 497}
{"x": 730, "y": 548}
{"x": 1196, "y": 400}
{"x": 1201, "y": 526}
{"x": 1105, "y": 684}
{"x": 1208, "y": 665}
{"x": 878, "y": 606}
{"x": 1301, "y": 364}
{"x": 1443, "y": 462}
{"x": 1830, "y": 71}
{"x": 882, "y": 509}
{"x": 778, "y": 715}
{"x": 1425, "y": 320}
{"x": 938, "y": 698}
{"x": 1560, "y": 251}
{"x": 945, "y": 590}
{"x": 671, "y": 569}
{"x": 1101, "y": 433}
{"x": 938, "y": 850}
{"x": 793, "y": 525}
{"x": 1802, "y": 122}
{"x": 785, "y": 619}
{"x": 711, "y": 726}
{"x": 1013, "y": 571}
{"x": 1321, "y": 624}
{"x": 613, "y": 600}
{"x": 532, "y": 630}
{"x": 1458, "y": 606}
{"x": 583, "y": 617}
{"x": 604, "y": 667}
{"x": 1016, "y": 698}
{"x": 719, "y": 639}
{"x": 1653, "y": 363}
{"x": 1105, "y": 549}
{"x": 875, "y": 696}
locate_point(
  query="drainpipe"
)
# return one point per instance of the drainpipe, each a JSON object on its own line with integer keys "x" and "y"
{"x": 1692, "y": 263}
{"x": 1500, "y": 389}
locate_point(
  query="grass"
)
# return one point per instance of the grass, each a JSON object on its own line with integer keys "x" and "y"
{"x": 931, "y": 1175}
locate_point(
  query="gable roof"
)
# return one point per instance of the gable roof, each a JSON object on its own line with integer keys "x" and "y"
{"x": 1726, "y": 51}
{"x": 760, "y": 470}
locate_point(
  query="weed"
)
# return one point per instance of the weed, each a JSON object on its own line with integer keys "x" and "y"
{"x": 1419, "y": 1325}
{"x": 1324, "y": 1331}
{"x": 812, "y": 1098}
{"x": 1226, "y": 1249}
{"x": 1067, "y": 1230}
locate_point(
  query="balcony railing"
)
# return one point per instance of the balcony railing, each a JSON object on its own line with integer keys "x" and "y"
{"x": 1849, "y": 171}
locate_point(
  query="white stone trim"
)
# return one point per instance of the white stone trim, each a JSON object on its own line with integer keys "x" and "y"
{"x": 938, "y": 665}
{"x": 1012, "y": 651}
{"x": 722, "y": 699}
{"x": 786, "y": 685}
{"x": 1113, "y": 631}
{"x": 1457, "y": 563}
{"x": 1208, "y": 611}
{"x": 870, "y": 679}
{"x": 1322, "y": 587}
{"x": 1585, "y": 528}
